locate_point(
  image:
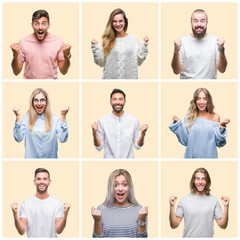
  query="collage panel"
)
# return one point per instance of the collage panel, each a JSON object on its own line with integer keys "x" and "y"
{"x": 142, "y": 24}
{"x": 176, "y": 24}
{"x": 207, "y": 139}
{"x": 63, "y": 23}
{"x": 144, "y": 177}
{"x": 64, "y": 99}
{"x": 199, "y": 210}
{"x": 140, "y": 111}
{"x": 64, "y": 186}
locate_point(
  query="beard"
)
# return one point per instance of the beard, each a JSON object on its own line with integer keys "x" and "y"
{"x": 117, "y": 111}
{"x": 41, "y": 191}
{"x": 199, "y": 35}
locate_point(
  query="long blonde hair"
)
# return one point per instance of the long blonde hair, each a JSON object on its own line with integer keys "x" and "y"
{"x": 109, "y": 35}
{"x": 109, "y": 200}
{"x": 193, "y": 110}
{"x": 33, "y": 115}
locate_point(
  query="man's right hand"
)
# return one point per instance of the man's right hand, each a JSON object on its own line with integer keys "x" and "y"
{"x": 94, "y": 41}
{"x": 177, "y": 44}
{"x": 96, "y": 214}
{"x": 15, "y": 48}
{"x": 94, "y": 127}
{"x": 172, "y": 200}
{"x": 14, "y": 207}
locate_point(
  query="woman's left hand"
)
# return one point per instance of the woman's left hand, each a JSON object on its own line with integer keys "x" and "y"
{"x": 224, "y": 122}
{"x": 143, "y": 212}
{"x": 146, "y": 39}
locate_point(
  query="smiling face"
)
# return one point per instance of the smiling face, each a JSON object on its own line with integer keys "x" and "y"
{"x": 121, "y": 191}
{"x": 200, "y": 183}
{"x": 42, "y": 182}
{"x": 118, "y": 23}
{"x": 201, "y": 102}
{"x": 199, "y": 24}
{"x": 117, "y": 102}
{"x": 39, "y": 103}
{"x": 40, "y": 27}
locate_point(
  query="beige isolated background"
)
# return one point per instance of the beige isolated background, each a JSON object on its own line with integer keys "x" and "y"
{"x": 64, "y": 23}
{"x": 142, "y": 102}
{"x": 18, "y": 186}
{"x": 222, "y": 22}
{"x": 175, "y": 178}
{"x": 175, "y": 100}
{"x": 142, "y": 21}
{"x": 94, "y": 185}
{"x": 61, "y": 94}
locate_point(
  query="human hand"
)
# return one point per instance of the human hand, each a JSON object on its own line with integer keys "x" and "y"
{"x": 172, "y": 200}
{"x": 16, "y": 110}
{"x": 66, "y": 50}
{"x": 175, "y": 118}
{"x": 143, "y": 212}
{"x": 14, "y": 207}
{"x": 220, "y": 43}
{"x": 96, "y": 214}
{"x": 144, "y": 128}
{"x": 177, "y": 44}
{"x": 15, "y": 48}
{"x": 66, "y": 207}
{"x": 225, "y": 201}
{"x": 94, "y": 41}
{"x": 94, "y": 127}
{"x": 224, "y": 122}
{"x": 146, "y": 39}
{"x": 64, "y": 110}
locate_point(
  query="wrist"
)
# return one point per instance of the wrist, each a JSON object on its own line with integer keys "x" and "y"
{"x": 67, "y": 56}
{"x": 221, "y": 50}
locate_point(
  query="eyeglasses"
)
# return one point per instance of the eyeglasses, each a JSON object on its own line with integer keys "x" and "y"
{"x": 39, "y": 100}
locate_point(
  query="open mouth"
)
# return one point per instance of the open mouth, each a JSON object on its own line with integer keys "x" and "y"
{"x": 120, "y": 195}
{"x": 39, "y": 108}
{"x": 40, "y": 34}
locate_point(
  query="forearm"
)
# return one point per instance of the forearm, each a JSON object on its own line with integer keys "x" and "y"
{"x": 64, "y": 65}
{"x": 16, "y": 66}
{"x": 21, "y": 228}
{"x": 98, "y": 228}
{"x": 172, "y": 218}
{"x": 224, "y": 220}
{"x": 96, "y": 140}
{"x": 63, "y": 118}
{"x": 140, "y": 141}
{"x": 60, "y": 225}
{"x": 222, "y": 62}
{"x": 176, "y": 64}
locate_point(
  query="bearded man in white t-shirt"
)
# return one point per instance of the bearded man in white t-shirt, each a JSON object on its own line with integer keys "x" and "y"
{"x": 41, "y": 215}
{"x": 199, "y": 55}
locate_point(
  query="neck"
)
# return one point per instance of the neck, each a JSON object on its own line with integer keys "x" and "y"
{"x": 121, "y": 34}
{"x": 200, "y": 193}
{"x": 118, "y": 114}
{"x": 42, "y": 195}
{"x": 124, "y": 204}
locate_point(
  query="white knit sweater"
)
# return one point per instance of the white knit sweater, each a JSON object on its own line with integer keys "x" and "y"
{"x": 123, "y": 60}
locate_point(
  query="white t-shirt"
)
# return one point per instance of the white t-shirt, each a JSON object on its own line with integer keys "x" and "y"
{"x": 199, "y": 57}
{"x": 41, "y": 215}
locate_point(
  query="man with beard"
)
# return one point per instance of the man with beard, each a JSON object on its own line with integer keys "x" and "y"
{"x": 41, "y": 215}
{"x": 42, "y": 52}
{"x": 199, "y": 208}
{"x": 118, "y": 131}
{"x": 200, "y": 54}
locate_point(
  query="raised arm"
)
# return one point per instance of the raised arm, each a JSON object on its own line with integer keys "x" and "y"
{"x": 173, "y": 219}
{"x": 62, "y": 127}
{"x": 21, "y": 223}
{"x": 96, "y": 140}
{"x": 142, "y": 226}
{"x": 65, "y": 64}
{"x": 177, "y": 66}
{"x": 223, "y": 221}
{"x": 97, "y": 217}
{"x": 144, "y": 129}
{"x": 19, "y": 130}
{"x": 143, "y": 50}
{"x": 60, "y": 223}
{"x": 98, "y": 55}
{"x": 16, "y": 65}
{"x": 222, "y": 60}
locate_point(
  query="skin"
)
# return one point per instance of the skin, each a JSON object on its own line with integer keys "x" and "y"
{"x": 121, "y": 187}
{"x": 199, "y": 27}
{"x": 40, "y": 30}
{"x": 201, "y": 104}
{"x": 118, "y": 102}
{"x": 200, "y": 184}
{"x": 41, "y": 182}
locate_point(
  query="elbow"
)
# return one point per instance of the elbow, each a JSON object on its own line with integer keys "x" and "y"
{"x": 59, "y": 231}
{"x": 173, "y": 226}
{"x": 63, "y": 72}
{"x": 21, "y": 232}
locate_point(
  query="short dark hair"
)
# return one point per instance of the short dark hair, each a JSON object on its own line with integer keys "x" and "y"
{"x": 40, "y": 13}
{"x": 39, "y": 170}
{"x": 115, "y": 90}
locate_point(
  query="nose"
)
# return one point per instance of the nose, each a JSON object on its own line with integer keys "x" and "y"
{"x": 120, "y": 187}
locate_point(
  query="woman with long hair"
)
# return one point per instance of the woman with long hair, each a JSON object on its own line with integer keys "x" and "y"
{"x": 40, "y": 128}
{"x": 120, "y": 215}
{"x": 120, "y": 53}
{"x": 202, "y": 132}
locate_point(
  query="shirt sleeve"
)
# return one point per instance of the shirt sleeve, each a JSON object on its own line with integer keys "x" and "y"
{"x": 22, "y": 211}
{"x": 62, "y": 131}
{"x": 142, "y": 52}
{"x": 98, "y": 55}
{"x": 179, "y": 210}
{"x": 217, "y": 210}
{"x": 180, "y": 130}
{"x": 60, "y": 56}
{"x": 60, "y": 210}
{"x": 100, "y": 135}
{"x": 220, "y": 136}
{"x": 137, "y": 135}
{"x": 21, "y": 55}
{"x": 20, "y": 129}
{"x": 217, "y": 53}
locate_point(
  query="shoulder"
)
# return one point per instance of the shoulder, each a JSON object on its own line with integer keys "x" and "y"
{"x": 29, "y": 200}
{"x": 105, "y": 117}
{"x": 53, "y": 38}
{"x": 187, "y": 38}
{"x": 212, "y": 37}
{"x": 27, "y": 38}
{"x": 130, "y": 117}
{"x": 54, "y": 199}
{"x": 216, "y": 118}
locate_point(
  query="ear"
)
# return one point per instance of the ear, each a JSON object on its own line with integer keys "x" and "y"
{"x": 49, "y": 182}
{"x": 34, "y": 182}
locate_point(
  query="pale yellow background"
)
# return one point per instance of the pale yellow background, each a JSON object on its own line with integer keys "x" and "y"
{"x": 94, "y": 184}
{"x": 176, "y": 97}
{"x": 18, "y": 186}
{"x": 222, "y": 22}
{"x": 61, "y": 94}
{"x": 142, "y": 102}
{"x": 64, "y": 23}
{"x": 176, "y": 176}
{"x": 142, "y": 21}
